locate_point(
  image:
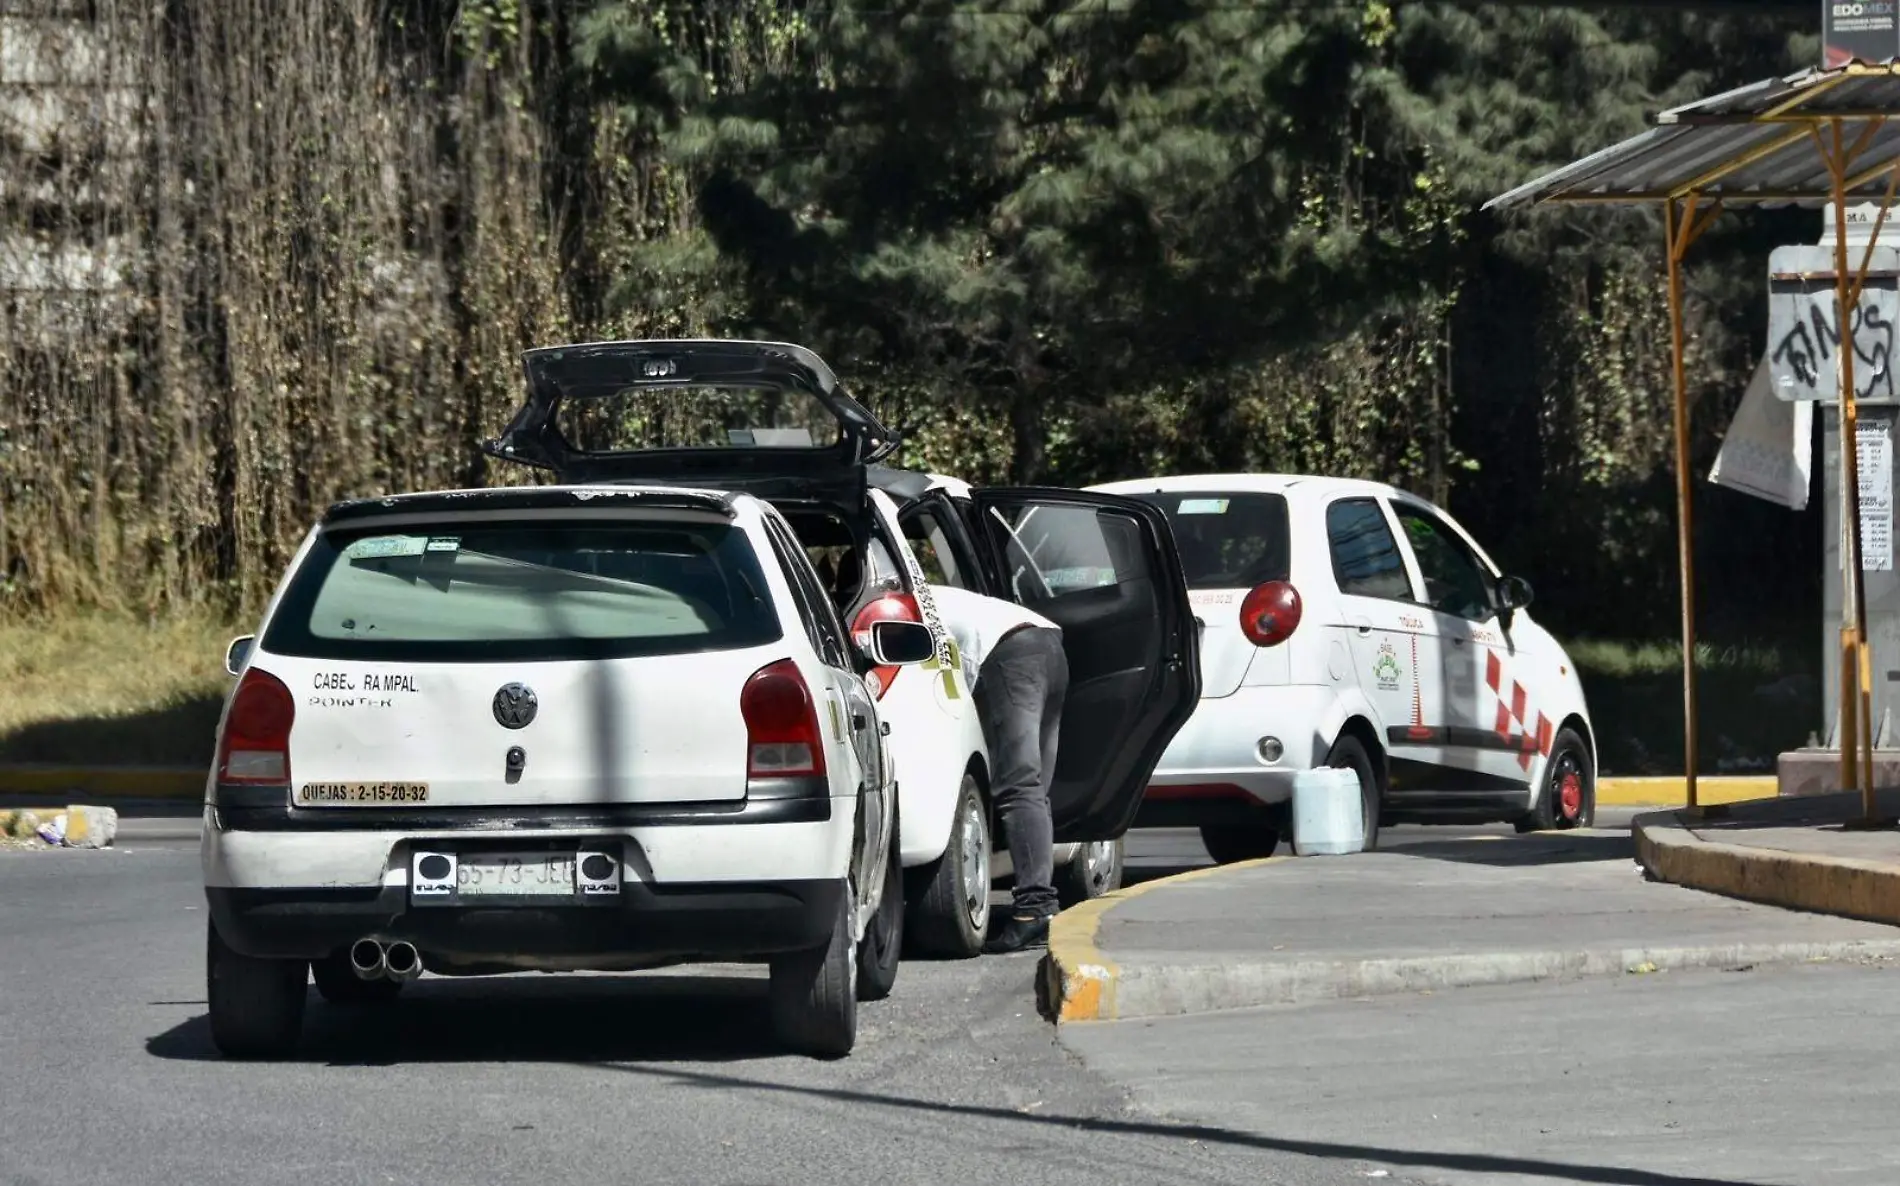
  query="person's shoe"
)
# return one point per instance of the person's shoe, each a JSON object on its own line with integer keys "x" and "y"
{"x": 1019, "y": 933}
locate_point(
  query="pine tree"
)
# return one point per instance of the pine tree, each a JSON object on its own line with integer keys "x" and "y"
{"x": 1028, "y": 205}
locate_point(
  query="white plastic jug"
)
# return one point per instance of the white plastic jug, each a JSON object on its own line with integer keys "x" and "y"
{"x": 1328, "y": 816}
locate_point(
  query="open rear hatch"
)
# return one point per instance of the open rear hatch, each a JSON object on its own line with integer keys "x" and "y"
{"x": 768, "y": 418}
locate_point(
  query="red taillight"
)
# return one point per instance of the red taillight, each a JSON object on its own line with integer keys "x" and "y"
{"x": 892, "y": 607}
{"x": 255, "y": 747}
{"x": 781, "y": 724}
{"x": 1270, "y": 614}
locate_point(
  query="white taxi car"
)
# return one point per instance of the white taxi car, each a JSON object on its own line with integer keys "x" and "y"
{"x": 771, "y": 418}
{"x": 1351, "y": 624}
{"x": 551, "y": 728}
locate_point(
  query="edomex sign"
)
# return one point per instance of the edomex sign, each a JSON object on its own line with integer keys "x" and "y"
{"x": 1858, "y": 30}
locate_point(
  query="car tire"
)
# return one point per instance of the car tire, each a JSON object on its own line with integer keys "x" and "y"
{"x": 949, "y": 899}
{"x": 813, "y": 994}
{"x": 1568, "y": 795}
{"x": 256, "y": 1005}
{"x": 1095, "y": 872}
{"x": 1228, "y": 843}
{"x": 883, "y": 942}
{"x": 1349, "y": 753}
{"x": 338, "y": 984}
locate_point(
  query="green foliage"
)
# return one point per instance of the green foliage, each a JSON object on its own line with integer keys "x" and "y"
{"x": 1030, "y": 206}
{"x": 1064, "y": 240}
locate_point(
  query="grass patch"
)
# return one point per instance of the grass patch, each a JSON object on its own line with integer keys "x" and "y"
{"x": 1755, "y": 700}
{"x": 109, "y": 690}
{"x": 1626, "y": 659}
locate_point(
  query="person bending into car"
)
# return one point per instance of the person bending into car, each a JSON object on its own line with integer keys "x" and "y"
{"x": 1018, "y": 675}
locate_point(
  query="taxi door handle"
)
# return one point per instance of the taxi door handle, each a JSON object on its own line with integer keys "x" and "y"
{"x": 1363, "y": 625}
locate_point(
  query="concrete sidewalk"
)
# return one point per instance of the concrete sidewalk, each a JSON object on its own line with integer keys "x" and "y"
{"x": 1443, "y": 914}
{"x": 1801, "y": 853}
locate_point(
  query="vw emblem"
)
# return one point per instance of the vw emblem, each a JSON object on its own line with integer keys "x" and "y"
{"x": 515, "y": 706}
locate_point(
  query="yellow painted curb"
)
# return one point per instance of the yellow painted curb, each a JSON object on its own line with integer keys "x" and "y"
{"x": 1078, "y": 981}
{"x": 1845, "y": 886}
{"x": 129, "y": 782}
{"x": 1672, "y": 791}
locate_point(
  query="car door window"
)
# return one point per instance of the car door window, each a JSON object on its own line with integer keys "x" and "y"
{"x": 1366, "y": 557}
{"x": 1054, "y": 551}
{"x": 1455, "y": 583}
{"x": 936, "y": 553}
{"x": 821, "y": 617}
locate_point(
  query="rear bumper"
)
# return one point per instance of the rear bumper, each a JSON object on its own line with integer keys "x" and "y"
{"x": 647, "y": 924}
{"x": 306, "y": 883}
{"x": 1215, "y": 757}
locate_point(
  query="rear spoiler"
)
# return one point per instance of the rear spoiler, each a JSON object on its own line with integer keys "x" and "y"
{"x": 517, "y": 498}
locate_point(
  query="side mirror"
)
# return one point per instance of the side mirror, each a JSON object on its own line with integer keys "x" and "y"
{"x": 238, "y": 653}
{"x": 1514, "y": 593}
{"x": 899, "y": 644}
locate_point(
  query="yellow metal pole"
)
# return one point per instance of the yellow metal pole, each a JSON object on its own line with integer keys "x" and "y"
{"x": 1677, "y": 228}
{"x": 1873, "y": 237}
{"x": 1859, "y": 708}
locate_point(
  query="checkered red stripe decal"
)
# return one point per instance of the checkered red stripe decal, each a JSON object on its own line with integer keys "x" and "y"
{"x": 1513, "y": 716}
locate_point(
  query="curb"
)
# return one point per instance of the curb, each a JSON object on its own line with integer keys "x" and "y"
{"x": 79, "y": 825}
{"x": 1078, "y": 983}
{"x": 110, "y": 782}
{"x": 1673, "y": 791}
{"x": 1844, "y": 886}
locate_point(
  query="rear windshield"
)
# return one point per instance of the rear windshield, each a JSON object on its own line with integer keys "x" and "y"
{"x": 696, "y": 416}
{"x": 482, "y": 592}
{"x": 1227, "y": 541}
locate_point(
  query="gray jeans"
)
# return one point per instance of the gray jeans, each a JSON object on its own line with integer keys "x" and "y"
{"x": 1019, "y": 694}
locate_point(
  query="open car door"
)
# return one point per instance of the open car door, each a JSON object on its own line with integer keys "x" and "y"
{"x": 1105, "y": 569}
{"x": 768, "y": 418}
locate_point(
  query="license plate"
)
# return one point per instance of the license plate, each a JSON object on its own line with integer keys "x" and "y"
{"x": 362, "y": 794}
{"x": 515, "y": 875}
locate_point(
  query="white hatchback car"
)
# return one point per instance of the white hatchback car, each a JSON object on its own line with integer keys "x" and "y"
{"x": 551, "y": 728}
{"x": 1351, "y": 624}
{"x": 772, "y": 419}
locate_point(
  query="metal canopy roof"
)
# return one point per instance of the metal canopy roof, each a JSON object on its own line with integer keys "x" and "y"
{"x": 1754, "y": 145}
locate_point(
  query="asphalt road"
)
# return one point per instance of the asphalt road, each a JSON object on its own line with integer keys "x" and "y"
{"x": 110, "y": 1077}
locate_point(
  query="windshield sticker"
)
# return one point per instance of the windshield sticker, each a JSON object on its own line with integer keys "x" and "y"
{"x": 1086, "y": 577}
{"x": 1206, "y": 597}
{"x": 1385, "y": 669}
{"x": 378, "y": 547}
{"x": 781, "y": 438}
{"x": 1202, "y": 506}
